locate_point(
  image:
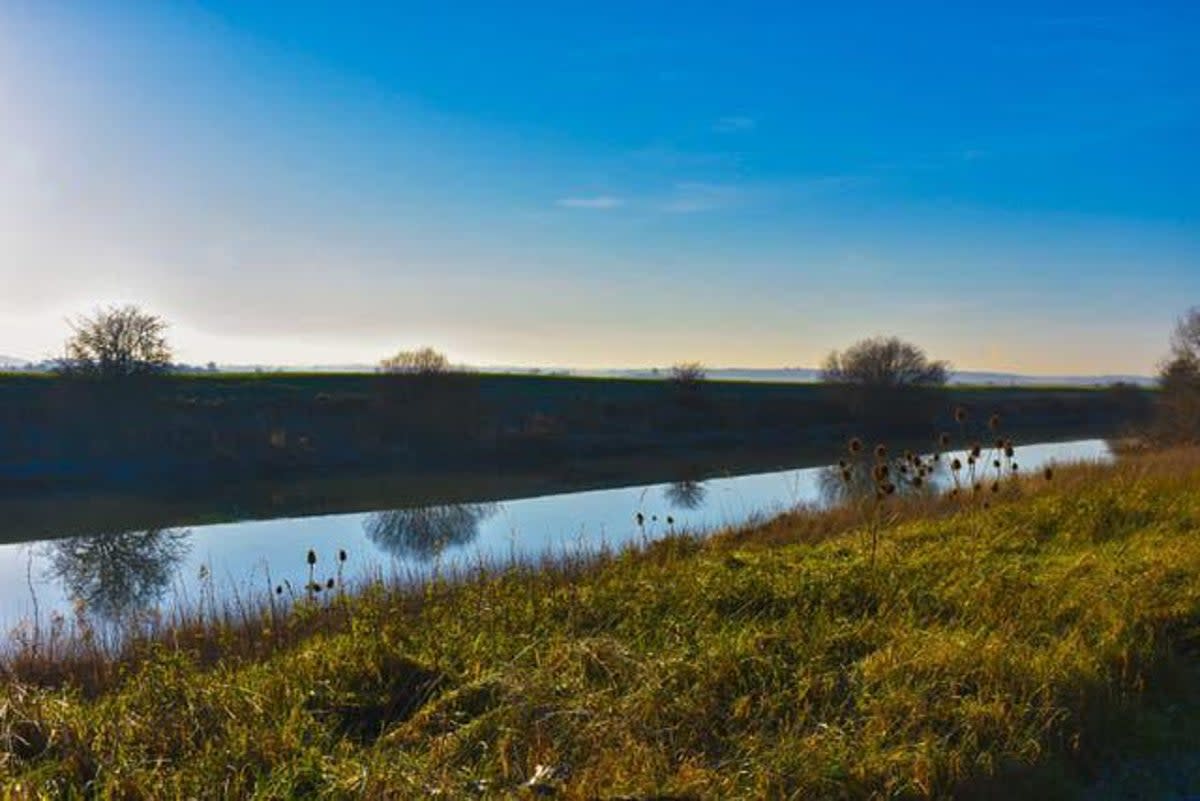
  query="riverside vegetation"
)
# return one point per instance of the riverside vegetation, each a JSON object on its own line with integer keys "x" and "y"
{"x": 907, "y": 645}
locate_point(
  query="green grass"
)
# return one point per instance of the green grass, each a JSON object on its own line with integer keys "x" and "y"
{"x": 1034, "y": 647}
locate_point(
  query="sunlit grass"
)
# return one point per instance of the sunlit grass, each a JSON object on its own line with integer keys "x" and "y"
{"x": 980, "y": 651}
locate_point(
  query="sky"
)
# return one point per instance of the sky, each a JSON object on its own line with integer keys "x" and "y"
{"x": 1014, "y": 186}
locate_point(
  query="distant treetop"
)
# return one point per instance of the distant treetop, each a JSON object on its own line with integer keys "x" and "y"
{"x": 687, "y": 373}
{"x": 1185, "y": 342}
{"x": 423, "y": 361}
{"x": 884, "y": 362}
{"x": 115, "y": 342}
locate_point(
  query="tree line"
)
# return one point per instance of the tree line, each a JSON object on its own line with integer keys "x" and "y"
{"x": 126, "y": 341}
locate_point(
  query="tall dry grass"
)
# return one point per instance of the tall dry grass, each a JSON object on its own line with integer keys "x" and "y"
{"x": 970, "y": 651}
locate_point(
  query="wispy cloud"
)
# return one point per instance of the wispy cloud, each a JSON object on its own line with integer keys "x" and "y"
{"x": 693, "y": 197}
{"x": 591, "y": 202}
{"x": 734, "y": 124}
{"x": 696, "y": 197}
{"x": 667, "y": 157}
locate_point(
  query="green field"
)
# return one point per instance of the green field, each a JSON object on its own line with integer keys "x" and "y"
{"x": 190, "y": 431}
{"x": 1040, "y": 645}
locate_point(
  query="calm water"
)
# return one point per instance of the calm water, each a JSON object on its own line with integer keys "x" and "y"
{"x": 117, "y": 574}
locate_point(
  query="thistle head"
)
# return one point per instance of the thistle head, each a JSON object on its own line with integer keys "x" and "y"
{"x": 855, "y": 445}
{"x": 312, "y": 556}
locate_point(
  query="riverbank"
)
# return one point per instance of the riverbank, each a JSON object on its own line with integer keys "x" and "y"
{"x": 977, "y": 652}
{"x": 158, "y": 437}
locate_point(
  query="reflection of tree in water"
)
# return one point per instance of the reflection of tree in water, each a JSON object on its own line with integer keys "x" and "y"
{"x": 422, "y": 533}
{"x": 836, "y": 490}
{"x": 686, "y": 494}
{"x": 118, "y": 573}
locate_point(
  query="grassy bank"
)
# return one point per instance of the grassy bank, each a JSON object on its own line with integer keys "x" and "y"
{"x": 982, "y": 652}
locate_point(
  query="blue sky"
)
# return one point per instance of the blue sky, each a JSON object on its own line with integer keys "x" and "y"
{"x": 621, "y": 184}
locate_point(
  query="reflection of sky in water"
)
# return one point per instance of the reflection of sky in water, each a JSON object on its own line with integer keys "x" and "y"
{"x": 249, "y": 558}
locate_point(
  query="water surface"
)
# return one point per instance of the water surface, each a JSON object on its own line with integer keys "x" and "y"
{"x": 116, "y": 573}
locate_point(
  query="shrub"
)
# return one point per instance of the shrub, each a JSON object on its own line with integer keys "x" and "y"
{"x": 423, "y": 361}
{"x": 884, "y": 362}
{"x": 687, "y": 373}
{"x": 117, "y": 342}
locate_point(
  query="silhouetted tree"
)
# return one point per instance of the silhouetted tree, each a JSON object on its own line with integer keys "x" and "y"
{"x": 1178, "y": 417}
{"x": 117, "y": 342}
{"x": 423, "y": 361}
{"x": 687, "y": 373}
{"x": 115, "y": 574}
{"x": 422, "y": 533}
{"x": 884, "y": 362}
{"x": 1185, "y": 341}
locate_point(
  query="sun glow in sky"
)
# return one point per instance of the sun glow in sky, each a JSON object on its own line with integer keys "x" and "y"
{"x": 618, "y": 184}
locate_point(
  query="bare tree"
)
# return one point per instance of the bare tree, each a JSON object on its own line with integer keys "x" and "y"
{"x": 1178, "y": 415}
{"x": 1185, "y": 343}
{"x": 115, "y": 342}
{"x": 688, "y": 373}
{"x": 423, "y": 361}
{"x": 884, "y": 362}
